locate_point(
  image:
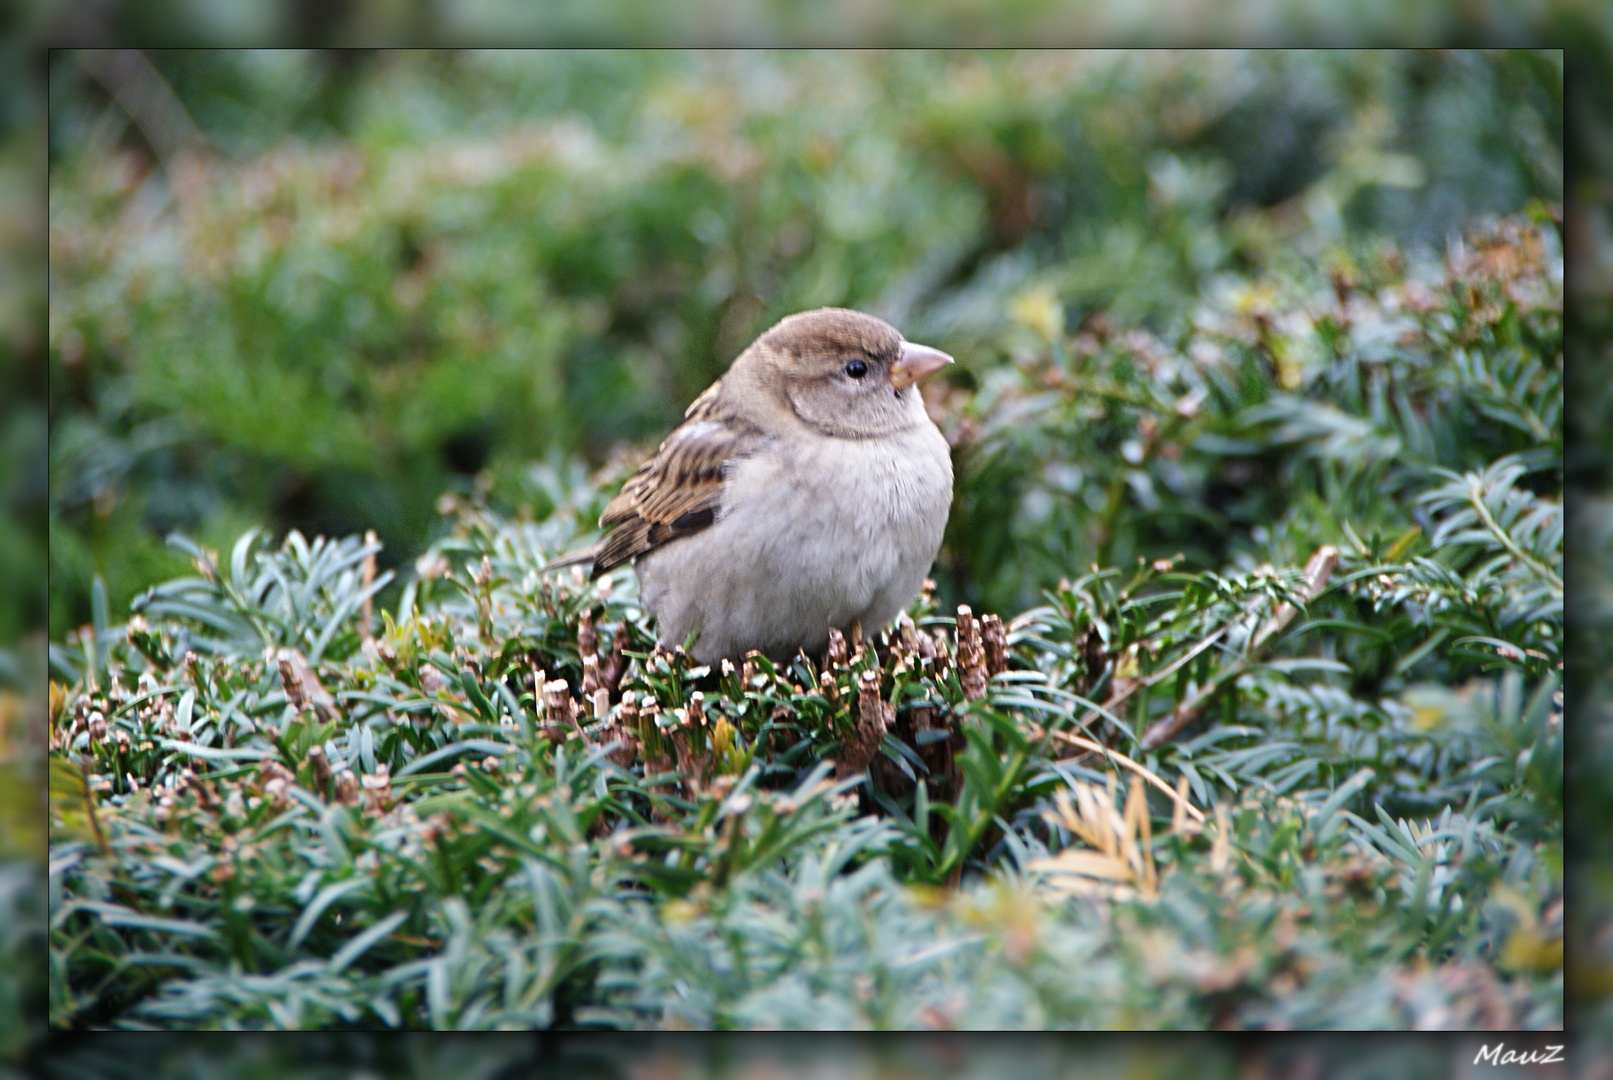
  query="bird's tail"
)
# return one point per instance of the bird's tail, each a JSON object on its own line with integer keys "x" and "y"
{"x": 580, "y": 557}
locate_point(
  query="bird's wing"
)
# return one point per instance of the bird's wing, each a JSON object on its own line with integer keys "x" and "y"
{"x": 679, "y": 490}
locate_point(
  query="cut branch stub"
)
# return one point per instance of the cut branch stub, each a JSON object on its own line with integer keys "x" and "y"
{"x": 971, "y": 656}
{"x": 558, "y": 708}
{"x": 293, "y": 684}
{"x": 592, "y": 680}
{"x": 587, "y": 638}
{"x": 874, "y": 718}
{"x": 614, "y": 666}
{"x": 837, "y": 654}
{"x": 994, "y": 639}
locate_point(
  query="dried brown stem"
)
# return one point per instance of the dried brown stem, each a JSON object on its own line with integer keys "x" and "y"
{"x": 1141, "y": 770}
{"x": 367, "y": 611}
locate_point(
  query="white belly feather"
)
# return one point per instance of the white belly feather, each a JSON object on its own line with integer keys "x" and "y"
{"x": 849, "y": 535}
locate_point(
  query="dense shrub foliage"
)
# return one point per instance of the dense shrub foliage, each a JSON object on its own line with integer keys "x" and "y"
{"x": 1260, "y": 723}
{"x": 394, "y": 274}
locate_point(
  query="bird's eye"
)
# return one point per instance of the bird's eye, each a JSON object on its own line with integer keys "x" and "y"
{"x": 856, "y": 369}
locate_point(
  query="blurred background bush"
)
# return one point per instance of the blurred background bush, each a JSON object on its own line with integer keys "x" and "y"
{"x": 318, "y": 290}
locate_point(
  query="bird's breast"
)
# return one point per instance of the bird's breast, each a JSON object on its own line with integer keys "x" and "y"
{"x": 810, "y": 535}
{"x": 844, "y": 507}
{"x": 863, "y": 481}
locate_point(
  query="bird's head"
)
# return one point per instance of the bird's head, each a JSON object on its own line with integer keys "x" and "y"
{"x": 844, "y": 373}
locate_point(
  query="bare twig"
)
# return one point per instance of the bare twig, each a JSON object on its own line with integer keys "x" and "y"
{"x": 1317, "y": 571}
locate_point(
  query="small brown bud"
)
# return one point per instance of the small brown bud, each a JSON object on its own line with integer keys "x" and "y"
{"x": 615, "y": 667}
{"x": 319, "y": 767}
{"x": 275, "y": 779}
{"x": 623, "y": 729}
{"x": 346, "y": 787}
{"x": 627, "y": 726}
{"x": 558, "y": 708}
{"x": 379, "y": 787}
{"x": 856, "y": 640}
{"x": 436, "y": 827}
{"x": 591, "y": 680}
{"x": 868, "y": 692}
{"x": 838, "y": 653}
{"x": 269, "y": 769}
{"x": 292, "y": 681}
{"x": 431, "y": 680}
{"x": 874, "y": 719}
{"x": 587, "y": 638}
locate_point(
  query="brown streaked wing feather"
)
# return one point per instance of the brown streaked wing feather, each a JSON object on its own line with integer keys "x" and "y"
{"x": 679, "y": 490}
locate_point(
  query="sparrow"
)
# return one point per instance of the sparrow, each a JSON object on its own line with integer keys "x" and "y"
{"x": 804, "y": 490}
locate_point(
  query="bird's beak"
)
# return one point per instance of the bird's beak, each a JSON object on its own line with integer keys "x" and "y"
{"x": 916, "y": 362}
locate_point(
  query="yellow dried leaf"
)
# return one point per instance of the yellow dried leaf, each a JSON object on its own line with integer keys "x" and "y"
{"x": 1221, "y": 846}
{"x": 1085, "y": 863}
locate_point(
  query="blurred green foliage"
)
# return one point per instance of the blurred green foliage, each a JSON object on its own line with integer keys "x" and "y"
{"x": 753, "y": 23}
{"x": 317, "y": 290}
